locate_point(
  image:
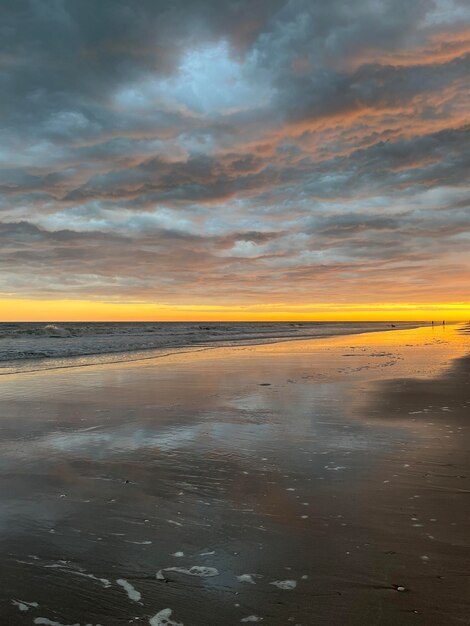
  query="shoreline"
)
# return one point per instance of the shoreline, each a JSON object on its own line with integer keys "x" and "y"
{"x": 87, "y": 359}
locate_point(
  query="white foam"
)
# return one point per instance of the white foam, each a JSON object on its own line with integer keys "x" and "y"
{"x": 24, "y": 606}
{"x": 130, "y": 590}
{"x": 252, "y": 618}
{"x": 44, "y": 621}
{"x": 195, "y": 570}
{"x": 104, "y": 581}
{"x": 246, "y": 578}
{"x": 284, "y": 584}
{"x": 78, "y": 572}
{"x": 162, "y": 618}
{"x": 47, "y": 622}
{"x": 178, "y": 554}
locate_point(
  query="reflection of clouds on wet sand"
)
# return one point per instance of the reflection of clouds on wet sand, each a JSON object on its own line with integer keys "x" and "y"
{"x": 234, "y": 490}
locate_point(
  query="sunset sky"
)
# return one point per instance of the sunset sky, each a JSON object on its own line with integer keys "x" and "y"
{"x": 246, "y": 159}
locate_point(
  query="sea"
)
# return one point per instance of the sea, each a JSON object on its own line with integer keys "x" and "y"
{"x": 31, "y": 346}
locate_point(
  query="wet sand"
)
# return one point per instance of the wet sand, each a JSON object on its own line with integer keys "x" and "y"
{"x": 311, "y": 482}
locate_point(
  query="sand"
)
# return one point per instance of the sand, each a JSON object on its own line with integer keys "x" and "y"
{"x": 312, "y": 482}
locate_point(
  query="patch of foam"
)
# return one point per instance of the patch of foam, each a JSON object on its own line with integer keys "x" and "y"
{"x": 246, "y": 578}
{"x": 129, "y": 589}
{"x": 252, "y": 618}
{"x": 64, "y": 566}
{"x": 44, "y": 621}
{"x": 104, "y": 581}
{"x": 284, "y": 584}
{"x": 24, "y": 606}
{"x": 195, "y": 570}
{"x": 47, "y": 622}
{"x": 162, "y": 618}
{"x": 178, "y": 554}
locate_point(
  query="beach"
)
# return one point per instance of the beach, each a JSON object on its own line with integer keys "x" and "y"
{"x": 30, "y": 346}
{"x": 316, "y": 481}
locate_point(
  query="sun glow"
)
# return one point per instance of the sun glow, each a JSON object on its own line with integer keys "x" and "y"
{"x": 85, "y": 310}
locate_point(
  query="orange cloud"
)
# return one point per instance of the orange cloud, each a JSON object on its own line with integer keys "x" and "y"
{"x": 441, "y": 48}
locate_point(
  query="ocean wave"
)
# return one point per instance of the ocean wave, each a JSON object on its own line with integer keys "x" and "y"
{"x": 51, "y": 330}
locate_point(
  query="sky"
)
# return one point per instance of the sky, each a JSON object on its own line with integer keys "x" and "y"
{"x": 219, "y": 159}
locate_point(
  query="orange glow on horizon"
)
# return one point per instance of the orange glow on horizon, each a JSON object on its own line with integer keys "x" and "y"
{"x": 16, "y": 310}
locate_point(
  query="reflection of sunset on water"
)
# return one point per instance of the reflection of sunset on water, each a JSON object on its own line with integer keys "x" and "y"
{"x": 327, "y": 468}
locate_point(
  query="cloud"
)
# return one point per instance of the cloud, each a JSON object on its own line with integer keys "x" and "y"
{"x": 273, "y": 151}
